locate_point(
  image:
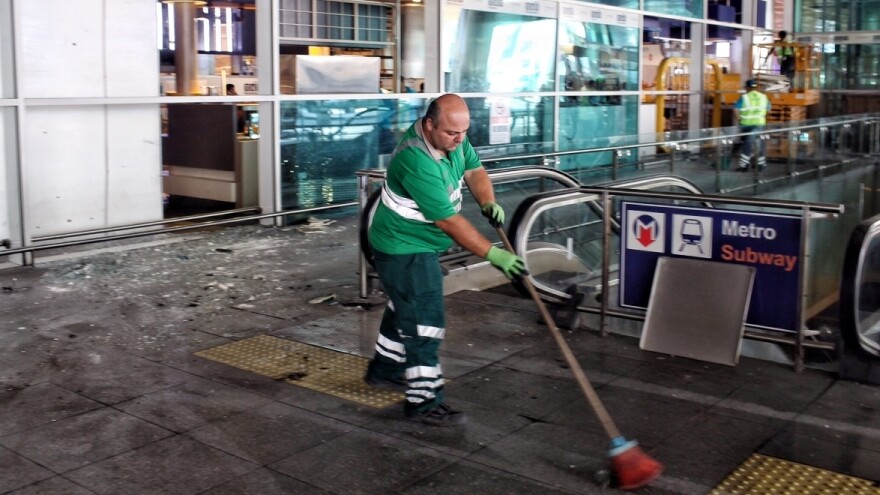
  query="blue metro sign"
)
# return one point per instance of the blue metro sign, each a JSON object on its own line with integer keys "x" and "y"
{"x": 771, "y": 243}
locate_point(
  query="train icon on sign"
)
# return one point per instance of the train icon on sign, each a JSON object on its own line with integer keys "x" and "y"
{"x": 692, "y": 236}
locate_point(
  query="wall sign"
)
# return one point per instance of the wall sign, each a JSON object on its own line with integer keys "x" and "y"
{"x": 771, "y": 243}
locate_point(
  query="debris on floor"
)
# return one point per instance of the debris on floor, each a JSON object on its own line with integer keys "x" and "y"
{"x": 315, "y": 226}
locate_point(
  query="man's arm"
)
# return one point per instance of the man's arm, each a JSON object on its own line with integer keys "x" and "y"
{"x": 465, "y": 234}
{"x": 480, "y": 185}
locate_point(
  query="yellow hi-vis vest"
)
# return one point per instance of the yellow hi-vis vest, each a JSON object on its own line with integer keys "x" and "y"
{"x": 754, "y": 109}
{"x": 786, "y": 50}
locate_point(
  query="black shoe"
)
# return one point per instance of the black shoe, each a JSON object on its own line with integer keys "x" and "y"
{"x": 440, "y": 415}
{"x": 742, "y": 169}
{"x": 397, "y": 384}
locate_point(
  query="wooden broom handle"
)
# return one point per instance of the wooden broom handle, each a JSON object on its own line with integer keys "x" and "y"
{"x": 589, "y": 391}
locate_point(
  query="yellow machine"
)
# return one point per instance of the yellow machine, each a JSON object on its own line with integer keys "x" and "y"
{"x": 673, "y": 74}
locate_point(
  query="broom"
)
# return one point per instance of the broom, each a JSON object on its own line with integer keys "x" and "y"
{"x": 632, "y": 466}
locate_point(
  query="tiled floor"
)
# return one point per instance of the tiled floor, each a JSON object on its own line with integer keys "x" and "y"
{"x": 101, "y": 390}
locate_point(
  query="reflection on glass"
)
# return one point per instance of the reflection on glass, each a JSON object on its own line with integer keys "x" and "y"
{"x": 685, "y": 8}
{"x": 525, "y": 125}
{"x": 595, "y": 122}
{"x": 323, "y": 143}
{"x": 518, "y": 57}
{"x": 598, "y": 57}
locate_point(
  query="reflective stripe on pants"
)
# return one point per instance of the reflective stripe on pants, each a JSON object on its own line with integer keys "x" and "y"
{"x": 413, "y": 325}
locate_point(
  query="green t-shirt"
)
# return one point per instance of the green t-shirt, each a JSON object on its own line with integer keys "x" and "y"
{"x": 421, "y": 187}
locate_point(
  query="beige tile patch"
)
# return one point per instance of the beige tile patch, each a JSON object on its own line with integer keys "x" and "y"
{"x": 331, "y": 372}
{"x": 763, "y": 475}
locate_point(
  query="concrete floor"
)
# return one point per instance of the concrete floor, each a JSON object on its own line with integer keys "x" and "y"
{"x": 101, "y": 391}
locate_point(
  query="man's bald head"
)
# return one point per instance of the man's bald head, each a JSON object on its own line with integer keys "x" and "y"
{"x": 446, "y": 121}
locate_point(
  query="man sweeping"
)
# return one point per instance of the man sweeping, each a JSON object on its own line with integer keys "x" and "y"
{"x": 418, "y": 219}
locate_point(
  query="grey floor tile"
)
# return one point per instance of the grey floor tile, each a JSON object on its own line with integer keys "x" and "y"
{"x": 236, "y": 324}
{"x": 174, "y": 466}
{"x": 52, "y": 486}
{"x": 111, "y": 376}
{"x": 76, "y": 441}
{"x": 269, "y": 433}
{"x": 39, "y": 404}
{"x": 16, "y": 471}
{"x": 555, "y": 455}
{"x": 192, "y": 403}
{"x": 848, "y": 402}
{"x": 773, "y": 391}
{"x": 676, "y": 380}
{"x": 706, "y": 449}
{"x": 529, "y": 395}
{"x": 363, "y": 463}
{"x": 265, "y": 482}
{"x": 331, "y": 406}
{"x": 464, "y": 478}
{"x": 646, "y": 417}
{"x": 485, "y": 424}
{"x": 279, "y": 307}
{"x": 547, "y": 360}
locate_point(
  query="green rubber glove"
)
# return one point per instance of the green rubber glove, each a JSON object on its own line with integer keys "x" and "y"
{"x": 510, "y": 264}
{"x": 494, "y": 213}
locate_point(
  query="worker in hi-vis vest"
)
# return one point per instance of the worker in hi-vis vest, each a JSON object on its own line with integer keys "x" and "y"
{"x": 751, "y": 112}
{"x": 784, "y": 51}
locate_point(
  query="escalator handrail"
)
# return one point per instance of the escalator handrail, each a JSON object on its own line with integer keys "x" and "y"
{"x": 850, "y": 287}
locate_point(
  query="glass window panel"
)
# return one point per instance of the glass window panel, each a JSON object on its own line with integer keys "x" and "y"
{"x": 497, "y": 52}
{"x": 526, "y": 125}
{"x": 595, "y": 122}
{"x": 629, "y": 4}
{"x": 598, "y": 57}
{"x": 685, "y": 8}
{"x": 323, "y": 143}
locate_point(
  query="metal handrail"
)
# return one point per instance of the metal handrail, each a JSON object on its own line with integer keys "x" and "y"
{"x": 201, "y": 225}
{"x": 667, "y": 142}
{"x": 164, "y": 221}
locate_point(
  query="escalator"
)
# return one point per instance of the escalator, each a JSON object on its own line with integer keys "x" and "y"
{"x": 560, "y": 235}
{"x": 860, "y": 305}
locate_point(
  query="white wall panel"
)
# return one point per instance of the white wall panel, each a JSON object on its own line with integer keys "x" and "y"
{"x": 66, "y": 176}
{"x": 62, "y": 47}
{"x": 134, "y": 156}
{"x": 132, "y": 56}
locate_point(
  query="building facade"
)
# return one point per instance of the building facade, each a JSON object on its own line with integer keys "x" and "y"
{"x": 109, "y": 110}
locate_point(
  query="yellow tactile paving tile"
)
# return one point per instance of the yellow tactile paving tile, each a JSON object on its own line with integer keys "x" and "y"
{"x": 331, "y": 372}
{"x": 763, "y": 475}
